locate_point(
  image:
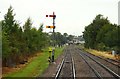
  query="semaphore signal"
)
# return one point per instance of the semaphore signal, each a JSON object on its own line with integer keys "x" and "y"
{"x": 53, "y": 27}
{"x": 50, "y": 27}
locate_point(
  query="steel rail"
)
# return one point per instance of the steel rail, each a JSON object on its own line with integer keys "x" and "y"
{"x": 109, "y": 60}
{"x": 73, "y": 68}
{"x": 61, "y": 66}
{"x": 95, "y": 71}
{"x": 59, "y": 70}
{"x": 114, "y": 60}
{"x": 109, "y": 70}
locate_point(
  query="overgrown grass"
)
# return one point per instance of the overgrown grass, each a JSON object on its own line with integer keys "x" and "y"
{"x": 100, "y": 53}
{"x": 37, "y": 65}
{"x": 97, "y": 53}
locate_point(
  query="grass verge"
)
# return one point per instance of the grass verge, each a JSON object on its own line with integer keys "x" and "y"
{"x": 36, "y": 66}
{"x": 104, "y": 54}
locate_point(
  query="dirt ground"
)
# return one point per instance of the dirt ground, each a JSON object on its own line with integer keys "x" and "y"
{"x": 6, "y": 70}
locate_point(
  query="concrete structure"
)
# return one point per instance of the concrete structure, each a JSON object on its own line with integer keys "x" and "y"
{"x": 119, "y": 13}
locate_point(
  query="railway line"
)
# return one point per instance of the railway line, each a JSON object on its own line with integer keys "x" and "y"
{"x": 113, "y": 65}
{"x": 66, "y": 67}
{"x": 79, "y": 64}
{"x": 108, "y": 60}
{"x": 98, "y": 68}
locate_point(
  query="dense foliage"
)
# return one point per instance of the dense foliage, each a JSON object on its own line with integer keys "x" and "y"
{"x": 61, "y": 39}
{"x": 102, "y": 35}
{"x": 19, "y": 42}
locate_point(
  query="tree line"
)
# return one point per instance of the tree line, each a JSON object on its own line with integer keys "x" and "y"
{"x": 20, "y": 42}
{"x": 102, "y": 35}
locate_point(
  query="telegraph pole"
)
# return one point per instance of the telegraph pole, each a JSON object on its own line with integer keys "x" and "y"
{"x": 53, "y": 49}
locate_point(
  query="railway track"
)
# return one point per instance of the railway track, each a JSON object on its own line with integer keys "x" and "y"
{"x": 96, "y": 65}
{"x": 94, "y": 70}
{"x": 77, "y": 63}
{"x": 114, "y": 62}
{"x": 66, "y": 67}
{"x": 113, "y": 65}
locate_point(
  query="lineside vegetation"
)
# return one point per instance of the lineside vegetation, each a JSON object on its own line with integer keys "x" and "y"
{"x": 102, "y": 35}
{"x": 20, "y": 42}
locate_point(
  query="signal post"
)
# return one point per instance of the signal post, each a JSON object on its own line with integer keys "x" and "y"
{"x": 53, "y": 27}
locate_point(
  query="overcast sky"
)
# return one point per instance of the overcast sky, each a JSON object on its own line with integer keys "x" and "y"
{"x": 71, "y": 15}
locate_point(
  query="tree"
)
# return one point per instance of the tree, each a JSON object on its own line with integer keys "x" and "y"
{"x": 9, "y": 21}
{"x": 10, "y": 38}
{"x": 28, "y": 35}
{"x": 59, "y": 39}
{"x": 0, "y": 39}
{"x": 91, "y": 31}
{"x": 70, "y": 37}
{"x": 101, "y": 34}
{"x": 65, "y": 38}
{"x": 5, "y": 48}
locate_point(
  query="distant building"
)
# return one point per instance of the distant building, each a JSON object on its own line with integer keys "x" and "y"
{"x": 81, "y": 39}
{"x": 77, "y": 40}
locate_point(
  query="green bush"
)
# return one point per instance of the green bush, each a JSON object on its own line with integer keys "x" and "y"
{"x": 101, "y": 46}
